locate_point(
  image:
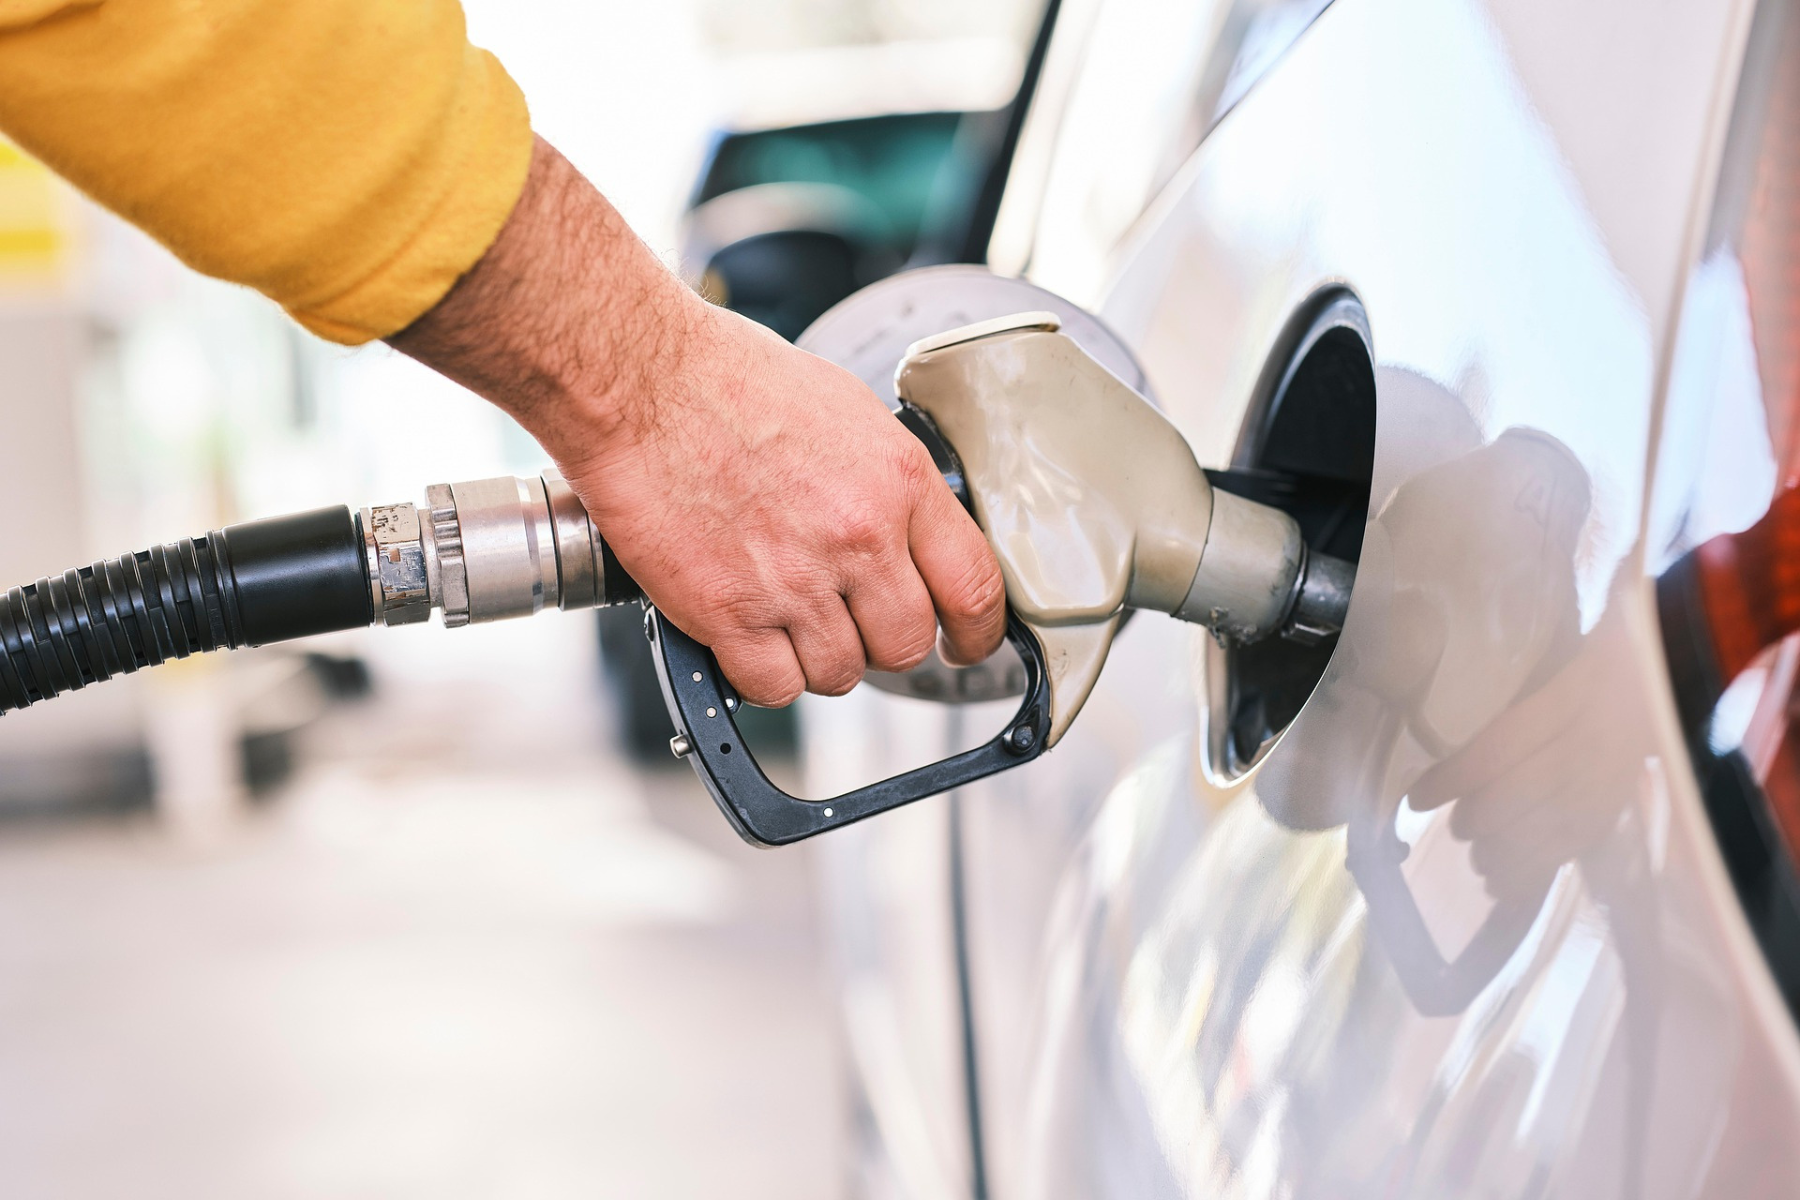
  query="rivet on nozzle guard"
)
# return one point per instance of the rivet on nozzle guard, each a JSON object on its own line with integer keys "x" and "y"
{"x": 1094, "y": 504}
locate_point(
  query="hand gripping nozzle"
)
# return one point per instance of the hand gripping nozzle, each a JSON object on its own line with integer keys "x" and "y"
{"x": 1090, "y": 498}
{"x": 1092, "y": 501}
{"x": 1094, "y": 505}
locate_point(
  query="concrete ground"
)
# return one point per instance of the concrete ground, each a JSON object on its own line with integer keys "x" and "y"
{"x": 468, "y": 952}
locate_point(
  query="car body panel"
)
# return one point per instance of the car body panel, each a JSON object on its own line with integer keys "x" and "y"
{"x": 886, "y": 901}
{"x": 1465, "y": 930}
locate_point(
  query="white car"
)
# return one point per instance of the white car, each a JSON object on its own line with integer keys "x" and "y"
{"x": 1493, "y": 897}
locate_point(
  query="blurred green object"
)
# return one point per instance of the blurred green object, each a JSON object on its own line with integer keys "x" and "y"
{"x": 893, "y": 161}
{"x": 786, "y": 222}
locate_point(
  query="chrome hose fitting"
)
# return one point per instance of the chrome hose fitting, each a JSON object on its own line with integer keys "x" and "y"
{"x": 489, "y": 550}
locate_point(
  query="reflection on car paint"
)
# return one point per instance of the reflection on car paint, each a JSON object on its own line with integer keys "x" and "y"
{"x": 1465, "y": 932}
{"x": 1466, "y": 1013}
{"x": 1235, "y": 1007}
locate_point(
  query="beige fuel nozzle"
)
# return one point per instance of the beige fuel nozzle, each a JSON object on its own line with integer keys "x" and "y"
{"x": 1094, "y": 504}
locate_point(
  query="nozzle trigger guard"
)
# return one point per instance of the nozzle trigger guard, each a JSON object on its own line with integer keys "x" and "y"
{"x": 703, "y": 706}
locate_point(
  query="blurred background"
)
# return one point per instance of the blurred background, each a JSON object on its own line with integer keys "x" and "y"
{"x": 428, "y": 913}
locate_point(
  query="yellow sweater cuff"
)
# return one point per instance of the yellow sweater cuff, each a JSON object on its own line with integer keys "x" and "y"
{"x": 486, "y": 167}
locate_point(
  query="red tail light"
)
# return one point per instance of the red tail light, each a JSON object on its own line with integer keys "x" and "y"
{"x": 1744, "y": 588}
{"x": 1749, "y": 585}
{"x": 1730, "y": 604}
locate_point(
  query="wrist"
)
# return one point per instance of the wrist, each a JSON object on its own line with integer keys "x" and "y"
{"x": 567, "y": 322}
{"x": 607, "y": 392}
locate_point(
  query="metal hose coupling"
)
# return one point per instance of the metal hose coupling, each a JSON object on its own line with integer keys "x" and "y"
{"x": 489, "y": 550}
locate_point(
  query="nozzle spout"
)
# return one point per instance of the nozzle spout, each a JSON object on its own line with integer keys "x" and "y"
{"x": 1323, "y": 600}
{"x": 1095, "y": 504}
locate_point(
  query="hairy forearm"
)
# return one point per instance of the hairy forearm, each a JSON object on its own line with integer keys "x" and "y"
{"x": 564, "y": 318}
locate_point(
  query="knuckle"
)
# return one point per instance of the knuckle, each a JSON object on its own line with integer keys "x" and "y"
{"x": 837, "y": 687}
{"x": 864, "y": 528}
{"x": 776, "y": 690}
{"x": 979, "y": 593}
{"x": 904, "y": 660}
{"x": 780, "y": 697}
{"x": 836, "y": 675}
{"x": 829, "y": 649}
{"x": 913, "y": 466}
{"x": 736, "y": 614}
{"x": 909, "y": 645}
{"x": 758, "y": 672}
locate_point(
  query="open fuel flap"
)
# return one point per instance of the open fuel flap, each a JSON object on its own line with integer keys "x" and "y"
{"x": 1308, "y": 448}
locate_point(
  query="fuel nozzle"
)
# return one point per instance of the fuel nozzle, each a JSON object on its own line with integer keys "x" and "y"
{"x": 1095, "y": 505}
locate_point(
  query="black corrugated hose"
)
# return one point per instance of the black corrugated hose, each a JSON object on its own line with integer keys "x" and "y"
{"x": 246, "y": 585}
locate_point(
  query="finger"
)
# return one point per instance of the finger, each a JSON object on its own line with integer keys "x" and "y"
{"x": 963, "y": 577}
{"x": 1523, "y": 730}
{"x": 763, "y": 667}
{"x": 1511, "y": 802}
{"x": 829, "y": 648}
{"x": 1538, "y": 783}
{"x": 1541, "y": 720}
{"x": 1512, "y": 870}
{"x": 893, "y": 613}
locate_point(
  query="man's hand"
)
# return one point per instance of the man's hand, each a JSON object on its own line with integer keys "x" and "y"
{"x": 767, "y": 501}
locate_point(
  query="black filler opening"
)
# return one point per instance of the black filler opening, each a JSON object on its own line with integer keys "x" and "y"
{"x": 1308, "y": 448}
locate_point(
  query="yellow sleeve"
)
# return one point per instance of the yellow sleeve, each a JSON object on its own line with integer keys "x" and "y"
{"x": 351, "y": 159}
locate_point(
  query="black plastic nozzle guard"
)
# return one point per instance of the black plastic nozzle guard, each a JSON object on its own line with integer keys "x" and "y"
{"x": 703, "y": 705}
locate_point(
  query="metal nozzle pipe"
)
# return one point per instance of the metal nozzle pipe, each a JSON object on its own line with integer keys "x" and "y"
{"x": 1322, "y": 599}
{"x": 489, "y": 550}
{"x": 1258, "y": 578}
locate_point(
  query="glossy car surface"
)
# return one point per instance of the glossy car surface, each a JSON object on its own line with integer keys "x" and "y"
{"x": 1463, "y": 929}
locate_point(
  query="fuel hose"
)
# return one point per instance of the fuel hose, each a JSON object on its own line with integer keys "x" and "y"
{"x": 479, "y": 551}
{"x": 248, "y": 585}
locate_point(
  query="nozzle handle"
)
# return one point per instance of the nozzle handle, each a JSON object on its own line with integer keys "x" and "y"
{"x": 704, "y": 707}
